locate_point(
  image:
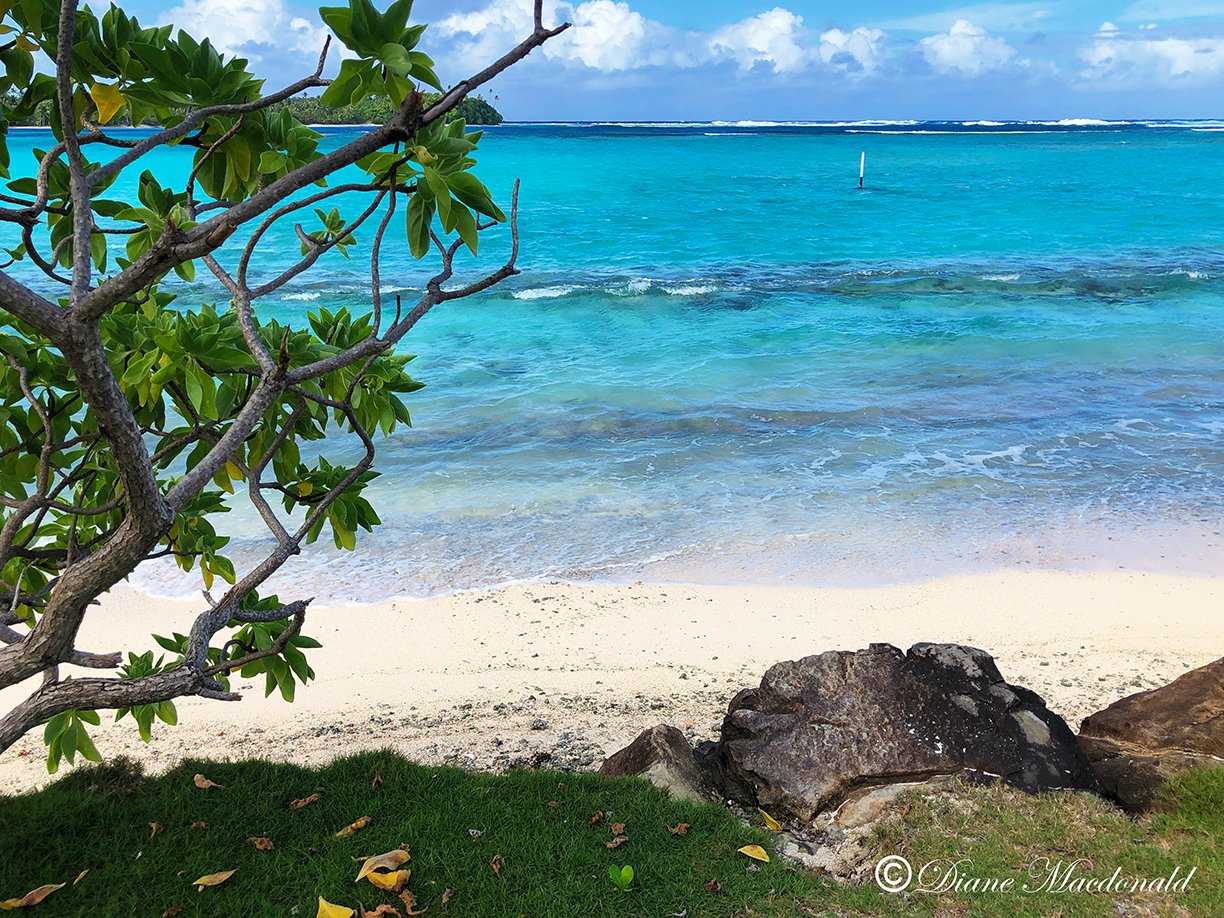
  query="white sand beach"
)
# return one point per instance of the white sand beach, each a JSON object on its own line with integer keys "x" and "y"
{"x": 513, "y": 675}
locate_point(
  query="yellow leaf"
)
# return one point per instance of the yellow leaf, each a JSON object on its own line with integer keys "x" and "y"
{"x": 232, "y": 470}
{"x": 108, "y": 100}
{"x": 33, "y": 897}
{"x": 26, "y": 44}
{"x": 356, "y": 826}
{"x": 770, "y": 823}
{"x": 328, "y": 910}
{"x": 388, "y": 861}
{"x": 391, "y": 882}
{"x": 304, "y": 488}
{"x": 756, "y": 852}
{"x": 80, "y": 876}
{"x": 204, "y": 784}
{"x": 213, "y": 879}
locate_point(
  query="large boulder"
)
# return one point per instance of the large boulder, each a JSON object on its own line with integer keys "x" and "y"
{"x": 1139, "y": 742}
{"x": 820, "y": 729}
{"x": 661, "y": 755}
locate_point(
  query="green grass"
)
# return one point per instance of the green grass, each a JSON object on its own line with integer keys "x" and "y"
{"x": 555, "y": 863}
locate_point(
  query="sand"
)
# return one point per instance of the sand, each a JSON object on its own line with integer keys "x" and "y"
{"x": 563, "y": 674}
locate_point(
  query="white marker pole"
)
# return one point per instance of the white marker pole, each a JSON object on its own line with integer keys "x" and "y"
{"x": 862, "y": 167}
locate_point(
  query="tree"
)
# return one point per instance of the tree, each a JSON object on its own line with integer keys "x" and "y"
{"x": 128, "y": 423}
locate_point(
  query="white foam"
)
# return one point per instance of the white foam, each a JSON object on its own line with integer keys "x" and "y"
{"x": 691, "y": 289}
{"x": 542, "y": 293}
{"x": 308, "y": 295}
{"x": 1001, "y": 278}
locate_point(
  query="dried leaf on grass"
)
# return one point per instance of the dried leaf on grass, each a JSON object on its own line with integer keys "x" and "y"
{"x": 681, "y": 829}
{"x": 447, "y": 895}
{"x": 80, "y": 876}
{"x": 172, "y": 911}
{"x": 497, "y": 864}
{"x": 213, "y": 879}
{"x": 204, "y": 784}
{"x": 599, "y": 814}
{"x": 713, "y": 886}
{"x": 356, "y": 826}
{"x": 756, "y": 852}
{"x": 616, "y": 842}
{"x": 375, "y": 783}
{"x": 154, "y": 828}
{"x": 388, "y": 861}
{"x": 618, "y": 828}
{"x": 261, "y": 842}
{"x": 381, "y": 911}
{"x": 305, "y": 801}
{"x": 200, "y": 824}
{"x": 33, "y": 897}
{"x": 410, "y": 904}
{"x": 331, "y": 910}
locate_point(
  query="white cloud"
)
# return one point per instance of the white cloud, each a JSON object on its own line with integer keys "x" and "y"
{"x": 610, "y": 36}
{"x": 966, "y": 48}
{"x": 1115, "y": 58}
{"x": 605, "y": 35}
{"x": 234, "y": 25}
{"x": 772, "y": 38}
{"x": 856, "y": 54}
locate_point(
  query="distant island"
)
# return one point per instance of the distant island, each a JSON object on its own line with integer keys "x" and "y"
{"x": 309, "y": 110}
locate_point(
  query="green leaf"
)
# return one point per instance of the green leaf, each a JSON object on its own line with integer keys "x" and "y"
{"x": 420, "y": 215}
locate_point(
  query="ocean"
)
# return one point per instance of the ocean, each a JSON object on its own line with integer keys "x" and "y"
{"x": 723, "y": 362}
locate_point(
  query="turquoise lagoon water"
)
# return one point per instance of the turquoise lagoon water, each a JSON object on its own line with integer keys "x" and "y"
{"x": 724, "y": 363}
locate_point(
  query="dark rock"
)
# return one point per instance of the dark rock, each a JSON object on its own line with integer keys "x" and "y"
{"x": 1139, "y": 742}
{"x": 661, "y": 755}
{"x": 820, "y": 729}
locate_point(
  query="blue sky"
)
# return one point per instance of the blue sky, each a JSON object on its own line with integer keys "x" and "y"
{"x": 719, "y": 59}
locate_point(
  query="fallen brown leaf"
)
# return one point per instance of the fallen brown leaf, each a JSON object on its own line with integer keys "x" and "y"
{"x": 172, "y": 911}
{"x": 447, "y": 895}
{"x": 213, "y": 879}
{"x": 261, "y": 842}
{"x": 554, "y": 804}
{"x": 713, "y": 886}
{"x": 616, "y": 842}
{"x": 204, "y": 784}
{"x": 199, "y": 824}
{"x": 33, "y": 897}
{"x": 596, "y": 818}
{"x": 376, "y": 783}
{"x": 383, "y": 909}
{"x": 681, "y": 829}
{"x": 356, "y": 826}
{"x": 154, "y": 828}
{"x": 410, "y": 903}
{"x": 497, "y": 864}
{"x": 618, "y": 828}
{"x": 305, "y": 801}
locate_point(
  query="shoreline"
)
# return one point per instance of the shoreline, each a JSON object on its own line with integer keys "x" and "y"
{"x": 563, "y": 674}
